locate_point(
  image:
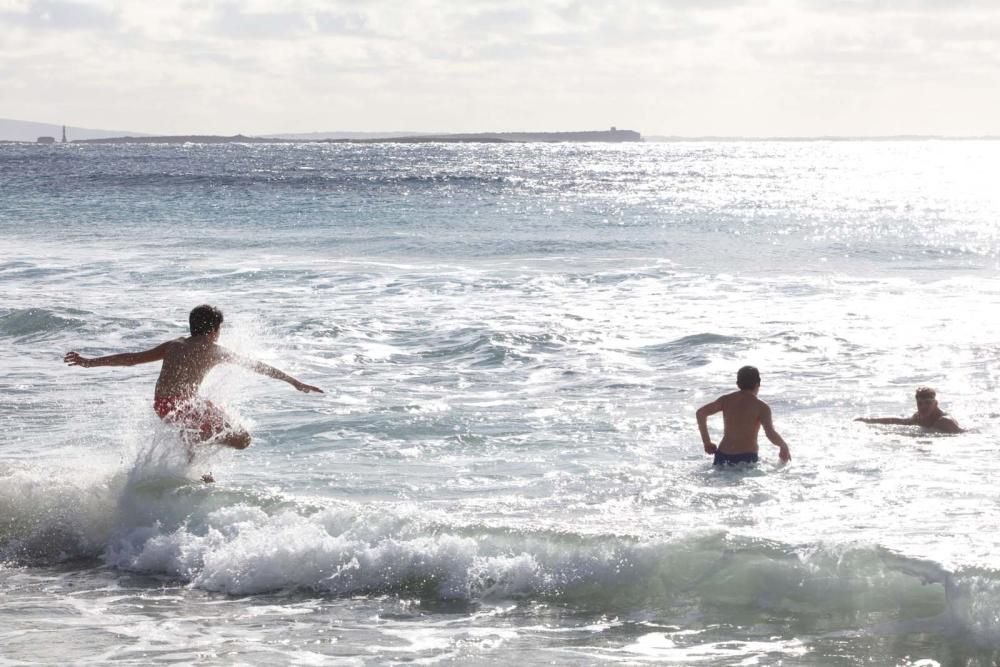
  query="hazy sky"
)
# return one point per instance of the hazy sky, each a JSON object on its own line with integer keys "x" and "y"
{"x": 671, "y": 67}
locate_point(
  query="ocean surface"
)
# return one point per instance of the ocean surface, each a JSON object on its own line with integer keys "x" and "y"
{"x": 505, "y": 467}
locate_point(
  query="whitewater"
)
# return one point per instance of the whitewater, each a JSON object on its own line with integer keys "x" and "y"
{"x": 505, "y": 466}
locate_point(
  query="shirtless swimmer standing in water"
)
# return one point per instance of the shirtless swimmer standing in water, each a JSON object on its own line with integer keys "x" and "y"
{"x": 743, "y": 414}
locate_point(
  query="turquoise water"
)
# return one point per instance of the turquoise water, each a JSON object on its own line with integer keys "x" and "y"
{"x": 505, "y": 466}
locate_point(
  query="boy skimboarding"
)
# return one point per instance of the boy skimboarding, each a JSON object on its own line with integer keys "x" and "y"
{"x": 186, "y": 362}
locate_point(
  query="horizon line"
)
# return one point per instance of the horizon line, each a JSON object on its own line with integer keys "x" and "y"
{"x": 653, "y": 136}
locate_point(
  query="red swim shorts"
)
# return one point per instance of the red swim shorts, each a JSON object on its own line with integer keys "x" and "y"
{"x": 192, "y": 414}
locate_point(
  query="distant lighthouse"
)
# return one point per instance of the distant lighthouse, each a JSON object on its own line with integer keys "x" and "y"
{"x": 64, "y": 134}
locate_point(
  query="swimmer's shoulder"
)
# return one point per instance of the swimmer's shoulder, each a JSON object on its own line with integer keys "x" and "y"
{"x": 175, "y": 343}
{"x": 947, "y": 424}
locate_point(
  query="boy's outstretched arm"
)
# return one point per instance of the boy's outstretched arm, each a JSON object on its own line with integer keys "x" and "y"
{"x": 269, "y": 371}
{"x": 124, "y": 359}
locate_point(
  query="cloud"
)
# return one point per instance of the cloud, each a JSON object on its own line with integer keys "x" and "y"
{"x": 508, "y": 18}
{"x": 231, "y": 20}
{"x": 896, "y": 6}
{"x": 897, "y": 44}
{"x": 60, "y": 15}
{"x": 289, "y": 65}
{"x": 343, "y": 23}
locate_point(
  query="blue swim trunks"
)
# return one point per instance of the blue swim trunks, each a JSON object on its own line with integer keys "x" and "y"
{"x": 732, "y": 459}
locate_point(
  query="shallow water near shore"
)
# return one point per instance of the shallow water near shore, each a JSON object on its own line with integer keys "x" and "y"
{"x": 505, "y": 466}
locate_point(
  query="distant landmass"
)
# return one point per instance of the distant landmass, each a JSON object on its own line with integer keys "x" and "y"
{"x": 183, "y": 139}
{"x": 23, "y": 130}
{"x": 244, "y": 139}
{"x": 29, "y": 131}
{"x": 613, "y": 135}
{"x": 323, "y": 136}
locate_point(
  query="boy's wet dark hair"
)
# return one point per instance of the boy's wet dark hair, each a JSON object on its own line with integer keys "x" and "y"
{"x": 926, "y": 392}
{"x": 205, "y": 319}
{"x": 747, "y": 377}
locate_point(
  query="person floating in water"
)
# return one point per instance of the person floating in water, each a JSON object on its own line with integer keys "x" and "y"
{"x": 928, "y": 415}
{"x": 743, "y": 414}
{"x": 186, "y": 362}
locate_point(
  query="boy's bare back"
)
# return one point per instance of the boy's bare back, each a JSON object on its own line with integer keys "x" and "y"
{"x": 742, "y": 415}
{"x": 186, "y": 362}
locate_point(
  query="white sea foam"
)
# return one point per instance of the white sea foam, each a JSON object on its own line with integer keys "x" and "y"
{"x": 213, "y": 538}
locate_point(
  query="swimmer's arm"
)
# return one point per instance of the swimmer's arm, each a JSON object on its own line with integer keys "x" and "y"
{"x": 702, "y": 416}
{"x": 773, "y": 435}
{"x": 270, "y": 371}
{"x": 898, "y": 421}
{"x": 123, "y": 359}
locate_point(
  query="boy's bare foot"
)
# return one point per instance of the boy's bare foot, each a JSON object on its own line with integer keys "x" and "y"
{"x": 207, "y": 478}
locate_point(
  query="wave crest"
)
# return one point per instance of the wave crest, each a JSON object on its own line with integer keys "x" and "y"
{"x": 35, "y": 323}
{"x": 232, "y": 540}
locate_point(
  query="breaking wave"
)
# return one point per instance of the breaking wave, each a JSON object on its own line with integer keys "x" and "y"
{"x": 151, "y": 517}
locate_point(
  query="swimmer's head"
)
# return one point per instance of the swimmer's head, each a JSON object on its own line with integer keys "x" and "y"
{"x": 204, "y": 320}
{"x": 926, "y": 400}
{"x": 747, "y": 378}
